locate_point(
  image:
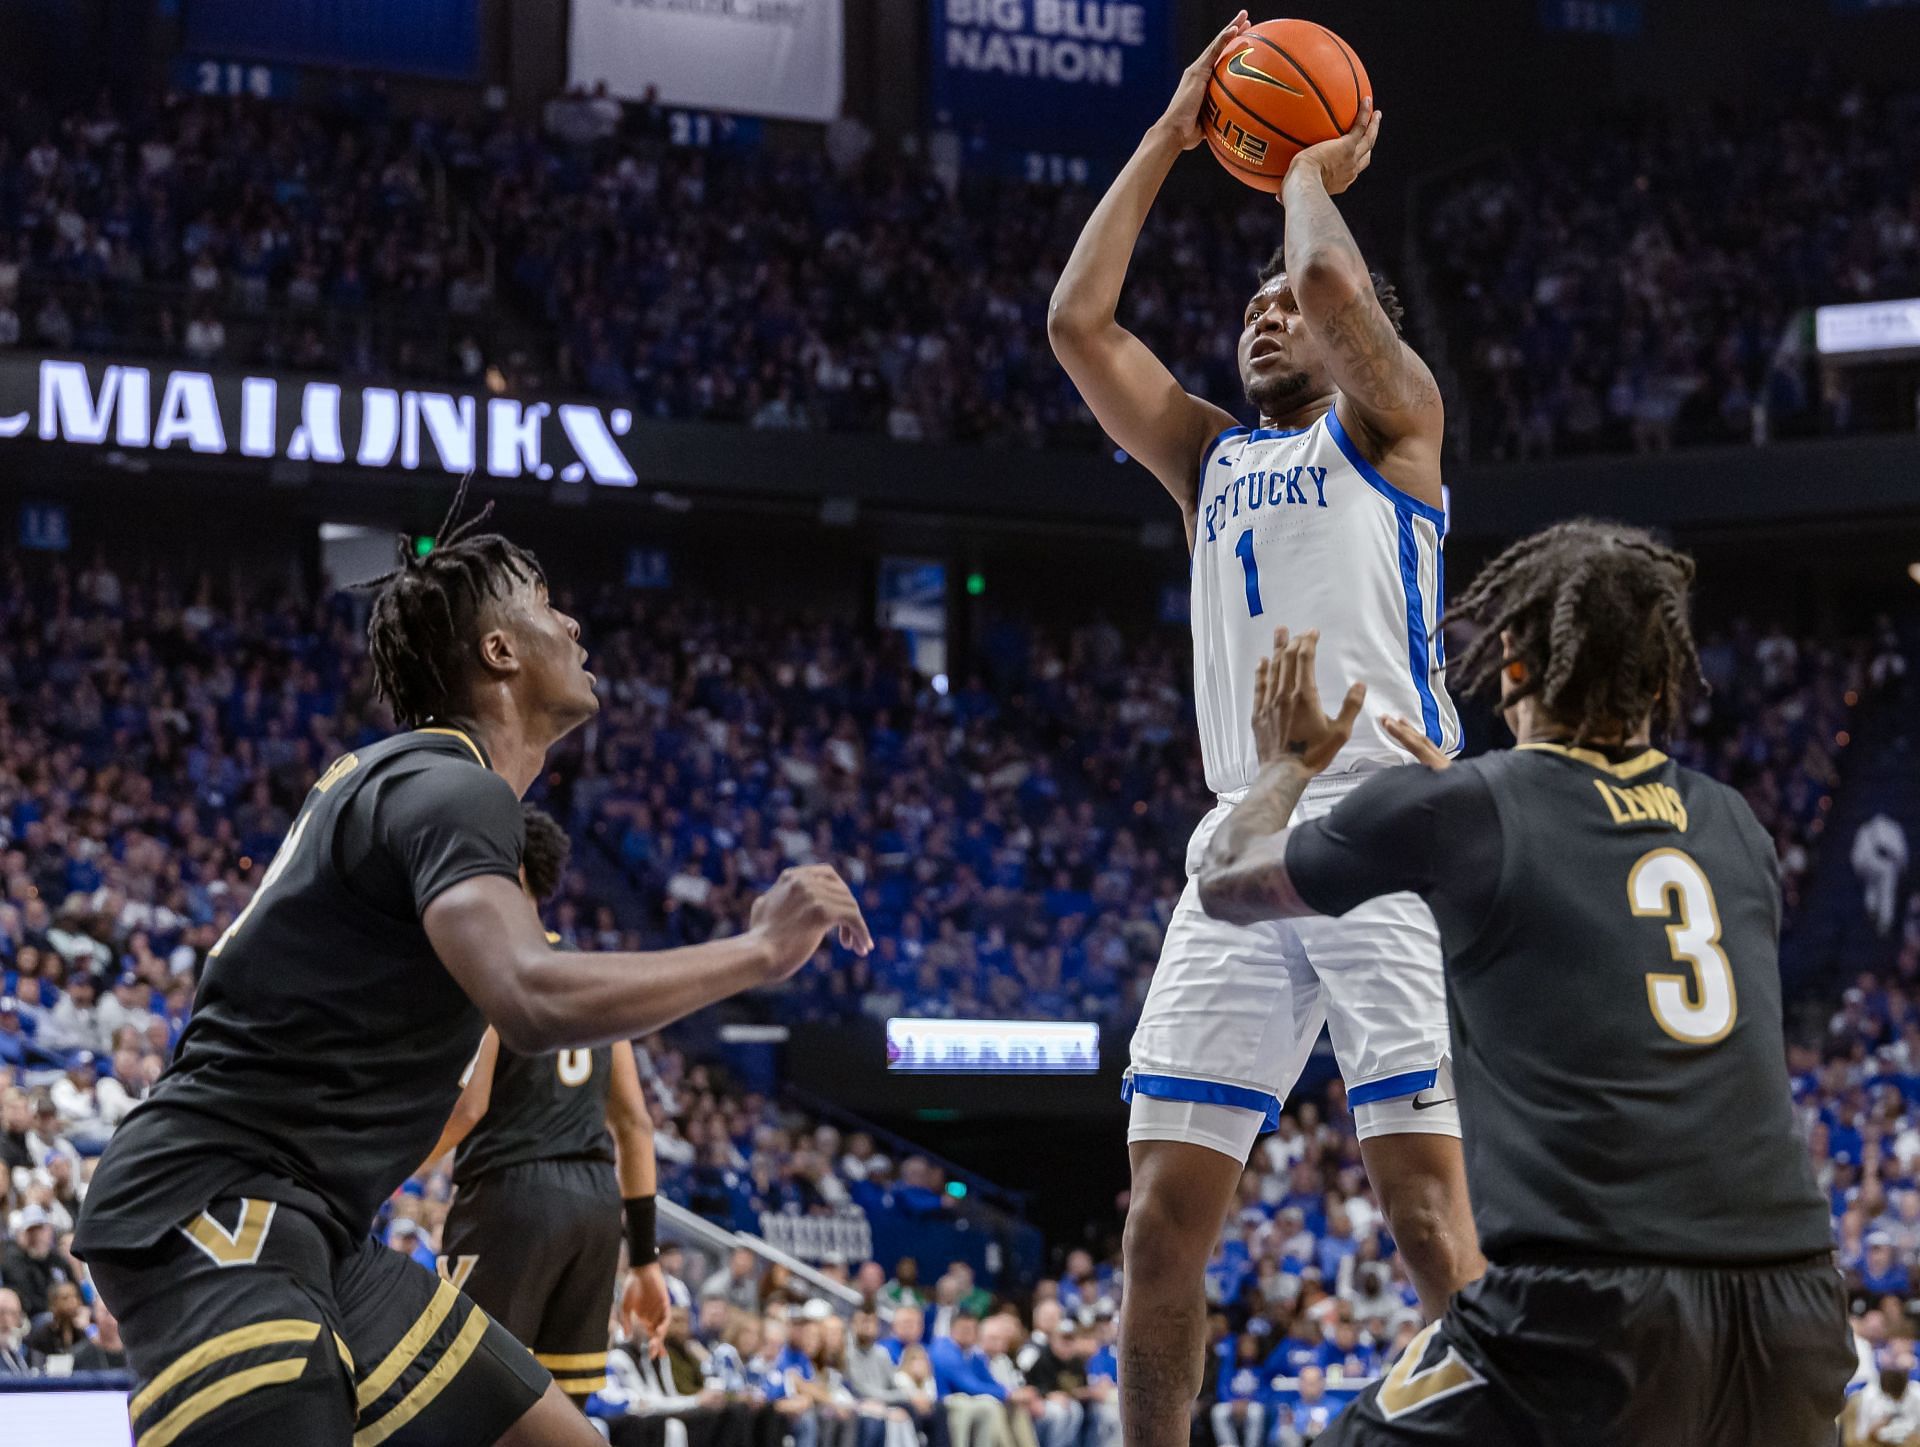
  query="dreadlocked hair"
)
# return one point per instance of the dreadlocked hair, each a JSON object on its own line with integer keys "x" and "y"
{"x": 421, "y": 633}
{"x": 1597, "y": 614}
{"x": 544, "y": 856}
{"x": 1384, "y": 291}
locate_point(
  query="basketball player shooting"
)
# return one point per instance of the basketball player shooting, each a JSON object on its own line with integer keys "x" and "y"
{"x": 1329, "y": 514}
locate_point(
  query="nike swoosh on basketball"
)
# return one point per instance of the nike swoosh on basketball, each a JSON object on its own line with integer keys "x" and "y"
{"x": 1419, "y": 1104}
{"x": 1238, "y": 66}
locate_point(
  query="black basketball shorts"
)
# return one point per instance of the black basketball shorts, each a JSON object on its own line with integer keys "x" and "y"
{"x": 1560, "y": 1354}
{"x": 244, "y": 1325}
{"x": 538, "y": 1246}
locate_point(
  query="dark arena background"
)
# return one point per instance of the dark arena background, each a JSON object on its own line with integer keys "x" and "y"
{"x": 738, "y": 316}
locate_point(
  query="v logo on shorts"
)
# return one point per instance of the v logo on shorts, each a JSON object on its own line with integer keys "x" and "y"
{"x": 243, "y": 1244}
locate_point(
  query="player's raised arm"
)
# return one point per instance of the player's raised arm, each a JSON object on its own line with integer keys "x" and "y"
{"x": 485, "y": 931}
{"x": 1243, "y": 877}
{"x": 1391, "y": 394}
{"x": 1136, "y": 399}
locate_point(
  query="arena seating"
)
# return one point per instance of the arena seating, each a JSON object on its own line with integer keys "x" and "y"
{"x": 851, "y": 287}
{"x": 1637, "y": 285}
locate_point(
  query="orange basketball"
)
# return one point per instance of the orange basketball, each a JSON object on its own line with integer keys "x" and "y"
{"x": 1282, "y": 86}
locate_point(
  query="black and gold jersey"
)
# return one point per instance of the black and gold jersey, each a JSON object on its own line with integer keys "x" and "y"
{"x": 1610, "y": 925}
{"x": 327, "y": 1040}
{"x": 542, "y": 1108}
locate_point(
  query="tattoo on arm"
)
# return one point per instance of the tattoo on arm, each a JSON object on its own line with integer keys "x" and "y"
{"x": 1371, "y": 361}
{"x": 1243, "y": 878}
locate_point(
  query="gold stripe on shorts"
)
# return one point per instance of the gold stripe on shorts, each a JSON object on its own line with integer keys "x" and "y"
{"x": 410, "y": 1346}
{"x": 572, "y": 1362}
{"x": 429, "y": 1386}
{"x": 209, "y": 1398}
{"x": 219, "y": 1348}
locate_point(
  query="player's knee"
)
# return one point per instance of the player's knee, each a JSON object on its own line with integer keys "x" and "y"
{"x": 1170, "y": 1230}
{"x": 1420, "y": 1213}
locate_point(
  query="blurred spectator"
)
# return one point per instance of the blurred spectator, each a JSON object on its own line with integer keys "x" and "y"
{"x": 32, "y": 1263}
{"x": 14, "y": 1361}
{"x": 64, "y": 1331}
{"x": 1880, "y": 859}
{"x": 737, "y": 1283}
{"x": 1310, "y": 1414}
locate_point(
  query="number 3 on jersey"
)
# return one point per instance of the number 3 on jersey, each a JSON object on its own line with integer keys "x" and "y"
{"x": 1697, "y": 1010}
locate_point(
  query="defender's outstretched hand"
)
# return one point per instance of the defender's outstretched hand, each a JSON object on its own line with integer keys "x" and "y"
{"x": 794, "y": 916}
{"x": 1183, "y": 111}
{"x": 1413, "y": 738}
{"x": 1342, "y": 159}
{"x": 1287, "y": 718}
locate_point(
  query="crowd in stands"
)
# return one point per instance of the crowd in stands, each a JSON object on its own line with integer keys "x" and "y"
{"x": 1640, "y": 284}
{"x": 1628, "y": 286}
{"x": 234, "y": 233}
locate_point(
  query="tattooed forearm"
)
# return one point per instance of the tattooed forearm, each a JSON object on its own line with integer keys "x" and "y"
{"x": 1369, "y": 360}
{"x": 1335, "y": 291}
{"x": 1243, "y": 878}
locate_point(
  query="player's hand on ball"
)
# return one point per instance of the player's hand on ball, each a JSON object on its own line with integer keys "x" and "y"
{"x": 1411, "y": 737}
{"x": 644, "y": 1306}
{"x": 1342, "y": 159}
{"x": 1288, "y": 722}
{"x": 1183, "y": 111}
{"x": 795, "y": 915}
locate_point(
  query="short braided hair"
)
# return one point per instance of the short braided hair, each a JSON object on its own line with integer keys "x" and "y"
{"x": 1598, "y": 614}
{"x": 421, "y": 633}
{"x": 1384, "y": 291}
{"x": 544, "y": 856}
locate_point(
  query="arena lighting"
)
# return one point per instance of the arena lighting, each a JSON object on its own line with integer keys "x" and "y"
{"x": 992, "y": 1047}
{"x": 1867, "y": 327}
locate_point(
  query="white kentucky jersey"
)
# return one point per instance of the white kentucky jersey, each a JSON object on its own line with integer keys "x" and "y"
{"x": 1296, "y": 528}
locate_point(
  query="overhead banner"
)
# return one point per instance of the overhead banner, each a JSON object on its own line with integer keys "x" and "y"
{"x": 1078, "y": 78}
{"x": 134, "y": 407}
{"x": 781, "y": 58}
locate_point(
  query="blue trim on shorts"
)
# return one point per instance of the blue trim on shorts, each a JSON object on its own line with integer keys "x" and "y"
{"x": 1393, "y": 1087}
{"x": 1208, "y": 1092}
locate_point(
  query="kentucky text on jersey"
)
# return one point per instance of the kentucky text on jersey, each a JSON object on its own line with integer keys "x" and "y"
{"x": 1280, "y": 487}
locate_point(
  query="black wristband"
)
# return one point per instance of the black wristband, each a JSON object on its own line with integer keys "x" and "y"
{"x": 641, "y": 1248}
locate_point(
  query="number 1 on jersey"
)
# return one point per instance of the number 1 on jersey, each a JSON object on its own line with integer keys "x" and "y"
{"x": 1243, "y": 550}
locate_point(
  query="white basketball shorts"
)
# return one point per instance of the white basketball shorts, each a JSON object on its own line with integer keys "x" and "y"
{"x": 1233, "y": 1013}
